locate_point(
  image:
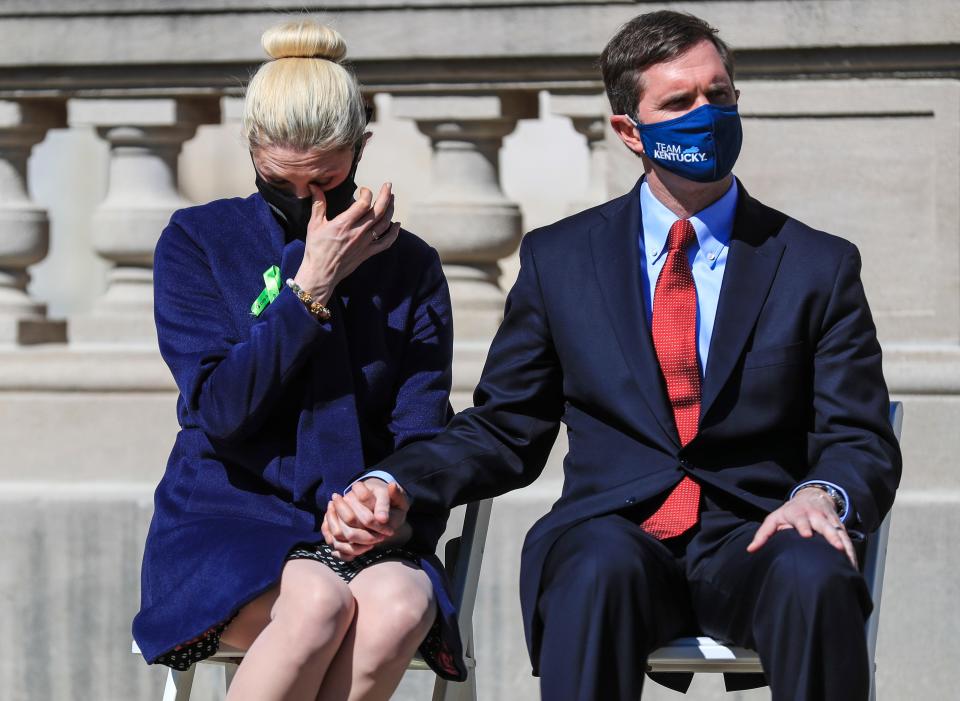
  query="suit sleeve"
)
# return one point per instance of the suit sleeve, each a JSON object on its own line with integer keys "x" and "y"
{"x": 852, "y": 444}
{"x": 228, "y": 384}
{"x": 503, "y": 442}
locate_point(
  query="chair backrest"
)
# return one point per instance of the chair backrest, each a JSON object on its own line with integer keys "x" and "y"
{"x": 464, "y": 556}
{"x": 875, "y": 558}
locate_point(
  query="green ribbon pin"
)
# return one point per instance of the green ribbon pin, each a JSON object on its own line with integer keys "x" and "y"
{"x": 271, "y": 278}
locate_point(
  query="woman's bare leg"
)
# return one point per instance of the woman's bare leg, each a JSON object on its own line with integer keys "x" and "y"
{"x": 249, "y": 622}
{"x": 395, "y": 609}
{"x": 291, "y": 634}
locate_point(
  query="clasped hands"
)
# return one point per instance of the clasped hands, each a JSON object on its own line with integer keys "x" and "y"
{"x": 374, "y": 513}
{"x": 371, "y": 513}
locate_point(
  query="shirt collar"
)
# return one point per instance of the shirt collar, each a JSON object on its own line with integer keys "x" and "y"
{"x": 713, "y": 224}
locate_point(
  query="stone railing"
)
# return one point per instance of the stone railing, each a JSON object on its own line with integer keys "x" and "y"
{"x": 465, "y": 212}
{"x": 852, "y": 122}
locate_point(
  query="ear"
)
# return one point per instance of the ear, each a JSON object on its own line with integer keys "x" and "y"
{"x": 367, "y": 135}
{"x": 254, "y": 154}
{"x": 627, "y": 132}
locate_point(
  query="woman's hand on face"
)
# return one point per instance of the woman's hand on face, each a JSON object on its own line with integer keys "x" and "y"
{"x": 335, "y": 248}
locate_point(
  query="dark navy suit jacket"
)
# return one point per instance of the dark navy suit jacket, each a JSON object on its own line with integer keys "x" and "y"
{"x": 793, "y": 388}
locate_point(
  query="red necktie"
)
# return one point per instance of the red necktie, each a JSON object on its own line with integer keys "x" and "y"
{"x": 675, "y": 340}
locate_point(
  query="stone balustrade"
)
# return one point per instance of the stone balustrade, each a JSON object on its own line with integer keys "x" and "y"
{"x": 145, "y": 138}
{"x": 24, "y": 227}
{"x": 589, "y": 114}
{"x": 466, "y": 214}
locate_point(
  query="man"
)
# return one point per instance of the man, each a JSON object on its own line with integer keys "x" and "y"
{"x": 717, "y": 368}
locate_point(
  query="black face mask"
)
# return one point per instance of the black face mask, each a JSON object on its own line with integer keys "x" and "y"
{"x": 294, "y": 212}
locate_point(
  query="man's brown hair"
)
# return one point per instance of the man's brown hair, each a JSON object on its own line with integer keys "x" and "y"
{"x": 646, "y": 40}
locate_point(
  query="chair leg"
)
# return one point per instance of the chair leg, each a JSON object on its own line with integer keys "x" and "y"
{"x": 444, "y": 690}
{"x": 179, "y": 684}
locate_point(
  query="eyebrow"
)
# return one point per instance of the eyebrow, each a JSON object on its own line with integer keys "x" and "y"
{"x": 274, "y": 178}
{"x": 325, "y": 171}
{"x": 717, "y": 84}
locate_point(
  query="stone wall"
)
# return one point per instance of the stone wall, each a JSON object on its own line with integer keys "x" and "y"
{"x": 115, "y": 112}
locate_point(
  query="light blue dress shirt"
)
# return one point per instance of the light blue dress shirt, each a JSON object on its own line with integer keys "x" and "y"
{"x": 708, "y": 258}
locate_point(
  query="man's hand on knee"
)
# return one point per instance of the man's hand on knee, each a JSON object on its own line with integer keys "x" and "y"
{"x": 810, "y": 511}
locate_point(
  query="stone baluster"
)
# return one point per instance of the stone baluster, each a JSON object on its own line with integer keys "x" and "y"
{"x": 24, "y": 227}
{"x": 589, "y": 114}
{"x": 145, "y": 138}
{"x": 467, "y": 216}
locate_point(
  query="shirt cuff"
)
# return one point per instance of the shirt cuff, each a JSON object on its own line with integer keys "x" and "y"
{"x": 845, "y": 511}
{"x": 379, "y": 474}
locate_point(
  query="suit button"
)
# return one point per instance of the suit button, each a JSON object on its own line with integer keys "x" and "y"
{"x": 684, "y": 463}
{"x": 631, "y": 500}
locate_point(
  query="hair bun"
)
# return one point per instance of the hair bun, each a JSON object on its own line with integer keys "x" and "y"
{"x": 304, "y": 39}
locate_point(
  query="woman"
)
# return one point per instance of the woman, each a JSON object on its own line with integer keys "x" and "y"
{"x": 309, "y": 337}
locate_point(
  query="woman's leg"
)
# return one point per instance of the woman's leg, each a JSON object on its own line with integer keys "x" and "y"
{"x": 395, "y": 609}
{"x": 291, "y": 634}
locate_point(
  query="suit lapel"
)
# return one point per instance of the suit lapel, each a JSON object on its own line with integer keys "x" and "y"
{"x": 752, "y": 264}
{"x": 616, "y": 257}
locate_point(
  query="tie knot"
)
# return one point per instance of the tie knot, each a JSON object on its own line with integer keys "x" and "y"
{"x": 681, "y": 235}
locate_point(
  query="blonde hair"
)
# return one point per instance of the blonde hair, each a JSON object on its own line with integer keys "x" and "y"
{"x": 303, "y": 97}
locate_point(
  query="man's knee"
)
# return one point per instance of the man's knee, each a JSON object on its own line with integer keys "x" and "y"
{"x": 599, "y": 556}
{"x": 811, "y": 572}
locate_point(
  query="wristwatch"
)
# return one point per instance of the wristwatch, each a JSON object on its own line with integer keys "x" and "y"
{"x": 839, "y": 503}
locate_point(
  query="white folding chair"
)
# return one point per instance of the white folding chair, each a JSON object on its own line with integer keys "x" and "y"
{"x": 704, "y": 654}
{"x": 463, "y": 557}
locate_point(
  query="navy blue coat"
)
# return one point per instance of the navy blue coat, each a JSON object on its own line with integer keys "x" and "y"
{"x": 793, "y": 387}
{"x": 277, "y": 412}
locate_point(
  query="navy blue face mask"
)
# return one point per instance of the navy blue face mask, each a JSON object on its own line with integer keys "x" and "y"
{"x": 294, "y": 212}
{"x": 702, "y": 145}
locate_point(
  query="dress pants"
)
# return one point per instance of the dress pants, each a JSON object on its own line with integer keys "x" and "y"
{"x": 612, "y": 594}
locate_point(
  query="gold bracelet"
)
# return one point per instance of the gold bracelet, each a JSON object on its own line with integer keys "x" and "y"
{"x": 314, "y": 307}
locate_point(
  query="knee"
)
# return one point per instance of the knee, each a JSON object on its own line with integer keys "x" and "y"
{"x": 403, "y": 612}
{"x": 411, "y": 615}
{"x": 594, "y": 562}
{"x": 606, "y": 575}
{"x": 408, "y": 610}
{"x": 326, "y": 606}
{"x": 314, "y": 609}
{"x": 811, "y": 572}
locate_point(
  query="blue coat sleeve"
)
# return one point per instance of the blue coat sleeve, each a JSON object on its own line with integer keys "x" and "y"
{"x": 228, "y": 383}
